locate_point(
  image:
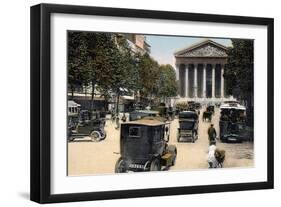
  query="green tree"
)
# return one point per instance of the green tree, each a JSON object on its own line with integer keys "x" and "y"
{"x": 123, "y": 77}
{"x": 77, "y": 58}
{"x": 102, "y": 60}
{"x": 167, "y": 81}
{"x": 239, "y": 73}
{"x": 148, "y": 77}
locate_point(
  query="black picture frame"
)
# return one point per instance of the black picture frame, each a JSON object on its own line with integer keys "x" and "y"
{"x": 41, "y": 95}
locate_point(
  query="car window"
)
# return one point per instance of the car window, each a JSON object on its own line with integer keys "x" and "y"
{"x": 158, "y": 134}
{"x": 134, "y": 132}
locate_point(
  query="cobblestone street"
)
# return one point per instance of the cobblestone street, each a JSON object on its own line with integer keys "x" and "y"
{"x": 88, "y": 158}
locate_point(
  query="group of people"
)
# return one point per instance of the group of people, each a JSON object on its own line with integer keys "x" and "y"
{"x": 215, "y": 156}
{"x": 115, "y": 118}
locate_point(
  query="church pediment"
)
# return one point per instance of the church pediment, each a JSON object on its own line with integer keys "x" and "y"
{"x": 204, "y": 49}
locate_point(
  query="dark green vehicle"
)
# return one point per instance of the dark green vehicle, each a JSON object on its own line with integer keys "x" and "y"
{"x": 87, "y": 124}
{"x": 188, "y": 126}
{"x": 233, "y": 123}
{"x": 144, "y": 146}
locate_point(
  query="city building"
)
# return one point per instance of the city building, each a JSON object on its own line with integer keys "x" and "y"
{"x": 138, "y": 43}
{"x": 199, "y": 71}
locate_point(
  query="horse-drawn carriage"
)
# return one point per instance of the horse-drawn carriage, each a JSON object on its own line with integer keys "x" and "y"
{"x": 207, "y": 115}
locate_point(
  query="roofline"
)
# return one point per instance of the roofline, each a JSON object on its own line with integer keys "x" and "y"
{"x": 198, "y": 44}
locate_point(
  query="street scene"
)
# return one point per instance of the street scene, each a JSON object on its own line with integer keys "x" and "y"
{"x": 140, "y": 103}
{"x": 87, "y": 158}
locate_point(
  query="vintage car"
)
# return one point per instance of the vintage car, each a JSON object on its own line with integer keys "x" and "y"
{"x": 194, "y": 106}
{"x": 164, "y": 111}
{"x": 198, "y": 105}
{"x": 144, "y": 146}
{"x": 87, "y": 124}
{"x": 232, "y": 122}
{"x": 188, "y": 126}
{"x": 191, "y": 104}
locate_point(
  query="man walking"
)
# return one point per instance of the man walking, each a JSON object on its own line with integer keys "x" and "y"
{"x": 212, "y": 134}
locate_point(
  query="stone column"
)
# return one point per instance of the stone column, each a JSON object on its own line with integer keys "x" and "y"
{"x": 186, "y": 80}
{"x": 222, "y": 81}
{"x": 204, "y": 81}
{"x": 213, "y": 80}
{"x": 195, "y": 81}
{"x": 177, "y": 72}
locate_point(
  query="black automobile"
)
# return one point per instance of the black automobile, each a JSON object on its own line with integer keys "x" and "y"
{"x": 233, "y": 123}
{"x": 86, "y": 125}
{"x": 188, "y": 126}
{"x": 232, "y": 132}
{"x": 197, "y": 106}
{"x": 191, "y": 104}
{"x": 144, "y": 146}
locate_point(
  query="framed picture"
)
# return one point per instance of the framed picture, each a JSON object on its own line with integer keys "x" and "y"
{"x": 132, "y": 103}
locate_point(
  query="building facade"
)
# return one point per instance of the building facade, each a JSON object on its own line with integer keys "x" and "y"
{"x": 200, "y": 69}
{"x": 137, "y": 43}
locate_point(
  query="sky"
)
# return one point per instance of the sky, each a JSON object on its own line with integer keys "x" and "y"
{"x": 164, "y": 47}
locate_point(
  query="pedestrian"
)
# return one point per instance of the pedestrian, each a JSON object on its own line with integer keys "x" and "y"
{"x": 215, "y": 156}
{"x": 117, "y": 123}
{"x": 212, "y": 134}
{"x": 211, "y": 159}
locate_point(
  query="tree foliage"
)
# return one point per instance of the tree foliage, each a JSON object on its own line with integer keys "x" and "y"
{"x": 148, "y": 76}
{"x": 239, "y": 73}
{"x": 77, "y": 60}
{"x": 105, "y": 63}
{"x": 167, "y": 81}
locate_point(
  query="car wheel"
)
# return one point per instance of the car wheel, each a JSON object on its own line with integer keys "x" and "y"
{"x": 103, "y": 135}
{"x": 193, "y": 137}
{"x": 95, "y": 136}
{"x": 120, "y": 166}
{"x": 71, "y": 139}
{"x": 155, "y": 165}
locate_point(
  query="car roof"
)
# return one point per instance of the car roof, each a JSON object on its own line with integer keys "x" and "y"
{"x": 233, "y": 106}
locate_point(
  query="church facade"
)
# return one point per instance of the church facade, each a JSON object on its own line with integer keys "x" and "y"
{"x": 200, "y": 71}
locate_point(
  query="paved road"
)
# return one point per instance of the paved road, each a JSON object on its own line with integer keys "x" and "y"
{"x": 86, "y": 157}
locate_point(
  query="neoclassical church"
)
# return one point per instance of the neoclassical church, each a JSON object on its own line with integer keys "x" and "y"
{"x": 200, "y": 69}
